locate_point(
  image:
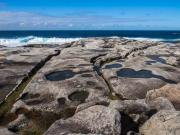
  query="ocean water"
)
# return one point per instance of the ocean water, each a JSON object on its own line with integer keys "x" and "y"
{"x": 19, "y": 38}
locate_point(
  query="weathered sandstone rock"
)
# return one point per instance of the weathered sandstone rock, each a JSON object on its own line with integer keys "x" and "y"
{"x": 161, "y": 103}
{"x": 16, "y": 64}
{"x": 76, "y": 88}
{"x": 163, "y": 123}
{"x": 97, "y": 119}
{"x": 133, "y": 77}
{"x": 169, "y": 91}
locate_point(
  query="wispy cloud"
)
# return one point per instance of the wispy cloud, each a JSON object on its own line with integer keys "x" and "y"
{"x": 28, "y": 20}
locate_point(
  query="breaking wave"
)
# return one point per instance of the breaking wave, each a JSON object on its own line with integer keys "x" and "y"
{"x": 21, "y": 41}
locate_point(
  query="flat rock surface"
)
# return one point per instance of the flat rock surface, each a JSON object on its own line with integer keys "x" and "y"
{"x": 132, "y": 77}
{"x": 65, "y": 81}
{"x": 94, "y": 86}
{"x": 16, "y": 64}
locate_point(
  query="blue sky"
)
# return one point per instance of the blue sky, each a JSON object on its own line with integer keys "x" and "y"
{"x": 90, "y": 14}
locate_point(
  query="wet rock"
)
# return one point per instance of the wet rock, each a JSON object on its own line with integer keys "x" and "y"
{"x": 96, "y": 119}
{"x": 169, "y": 91}
{"x": 163, "y": 123}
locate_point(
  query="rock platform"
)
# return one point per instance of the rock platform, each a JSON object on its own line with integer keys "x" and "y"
{"x": 108, "y": 86}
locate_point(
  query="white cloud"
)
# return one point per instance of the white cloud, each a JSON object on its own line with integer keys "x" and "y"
{"x": 28, "y": 20}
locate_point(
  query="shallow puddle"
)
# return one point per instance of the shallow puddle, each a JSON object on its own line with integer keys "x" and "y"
{"x": 116, "y": 65}
{"x": 150, "y": 62}
{"x": 157, "y": 58}
{"x": 131, "y": 73}
{"x": 60, "y": 75}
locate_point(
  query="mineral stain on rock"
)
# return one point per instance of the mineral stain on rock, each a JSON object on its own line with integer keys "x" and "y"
{"x": 79, "y": 96}
{"x": 60, "y": 75}
{"x": 131, "y": 73}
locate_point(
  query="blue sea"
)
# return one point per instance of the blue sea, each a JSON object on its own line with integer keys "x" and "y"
{"x": 18, "y": 38}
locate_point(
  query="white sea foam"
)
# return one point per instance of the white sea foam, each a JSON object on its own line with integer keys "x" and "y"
{"x": 153, "y": 39}
{"x": 145, "y": 39}
{"x": 13, "y": 42}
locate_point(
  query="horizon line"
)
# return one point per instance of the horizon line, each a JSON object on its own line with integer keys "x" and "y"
{"x": 93, "y": 30}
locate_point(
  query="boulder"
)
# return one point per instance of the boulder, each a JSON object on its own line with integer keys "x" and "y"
{"x": 169, "y": 91}
{"x": 140, "y": 111}
{"x": 163, "y": 123}
{"x": 96, "y": 120}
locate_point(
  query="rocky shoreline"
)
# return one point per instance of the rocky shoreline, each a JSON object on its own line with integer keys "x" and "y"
{"x": 108, "y": 86}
